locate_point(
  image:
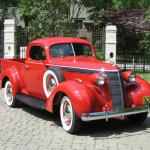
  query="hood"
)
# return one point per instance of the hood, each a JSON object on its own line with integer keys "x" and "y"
{"x": 84, "y": 62}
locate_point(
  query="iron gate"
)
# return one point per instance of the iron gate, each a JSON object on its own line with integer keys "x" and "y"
{"x": 96, "y": 36}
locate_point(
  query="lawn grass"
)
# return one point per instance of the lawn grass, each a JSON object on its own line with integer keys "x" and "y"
{"x": 146, "y": 76}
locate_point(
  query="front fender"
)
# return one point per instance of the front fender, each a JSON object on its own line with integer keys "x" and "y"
{"x": 81, "y": 96}
{"x": 138, "y": 92}
{"x": 12, "y": 75}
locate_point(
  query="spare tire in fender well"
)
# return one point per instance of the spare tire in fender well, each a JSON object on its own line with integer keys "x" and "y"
{"x": 55, "y": 77}
{"x": 58, "y": 73}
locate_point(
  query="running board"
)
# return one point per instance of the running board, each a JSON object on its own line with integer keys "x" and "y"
{"x": 31, "y": 101}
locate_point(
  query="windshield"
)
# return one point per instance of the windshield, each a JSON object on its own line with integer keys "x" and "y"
{"x": 70, "y": 49}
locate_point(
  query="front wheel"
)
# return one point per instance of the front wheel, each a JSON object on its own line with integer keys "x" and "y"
{"x": 137, "y": 118}
{"x": 9, "y": 98}
{"x": 70, "y": 121}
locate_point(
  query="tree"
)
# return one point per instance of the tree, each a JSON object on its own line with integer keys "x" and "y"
{"x": 4, "y": 5}
{"x": 130, "y": 4}
{"x": 144, "y": 44}
{"x": 129, "y": 18}
{"x": 100, "y": 10}
{"x": 49, "y": 17}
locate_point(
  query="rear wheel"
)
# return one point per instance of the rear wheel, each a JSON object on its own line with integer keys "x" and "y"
{"x": 9, "y": 98}
{"x": 137, "y": 118}
{"x": 70, "y": 121}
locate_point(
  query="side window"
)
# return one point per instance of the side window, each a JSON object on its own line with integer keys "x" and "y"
{"x": 82, "y": 50}
{"x": 87, "y": 50}
{"x": 37, "y": 53}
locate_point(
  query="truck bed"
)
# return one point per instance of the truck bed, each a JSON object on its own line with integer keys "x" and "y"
{"x": 12, "y": 60}
{"x": 17, "y": 66}
{"x": 19, "y": 60}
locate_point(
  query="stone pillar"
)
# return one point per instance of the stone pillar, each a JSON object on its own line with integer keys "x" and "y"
{"x": 110, "y": 43}
{"x": 9, "y": 38}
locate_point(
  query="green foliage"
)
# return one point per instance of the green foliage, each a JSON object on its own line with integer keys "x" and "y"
{"x": 100, "y": 55}
{"x": 98, "y": 44}
{"x": 98, "y": 4}
{"x": 144, "y": 44}
{"x": 98, "y": 17}
{"x": 49, "y": 17}
{"x": 4, "y": 5}
{"x": 8, "y": 3}
{"x": 98, "y": 47}
{"x": 147, "y": 17}
{"x": 99, "y": 8}
{"x": 130, "y": 4}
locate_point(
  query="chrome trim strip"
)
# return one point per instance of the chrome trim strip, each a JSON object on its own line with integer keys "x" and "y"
{"x": 112, "y": 114}
{"x": 100, "y": 70}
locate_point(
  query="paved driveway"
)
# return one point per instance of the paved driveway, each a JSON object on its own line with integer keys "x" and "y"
{"x": 26, "y": 128}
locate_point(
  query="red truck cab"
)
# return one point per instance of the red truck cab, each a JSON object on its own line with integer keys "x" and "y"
{"x": 65, "y": 72}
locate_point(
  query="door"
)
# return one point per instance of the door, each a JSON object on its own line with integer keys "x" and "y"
{"x": 35, "y": 68}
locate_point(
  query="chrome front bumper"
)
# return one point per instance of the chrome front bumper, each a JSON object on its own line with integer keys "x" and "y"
{"x": 116, "y": 113}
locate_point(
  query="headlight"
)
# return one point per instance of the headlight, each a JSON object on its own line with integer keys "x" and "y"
{"x": 129, "y": 76}
{"x": 101, "y": 80}
{"x": 132, "y": 77}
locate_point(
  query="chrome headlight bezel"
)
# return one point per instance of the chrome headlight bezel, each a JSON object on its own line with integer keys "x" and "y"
{"x": 132, "y": 77}
{"x": 101, "y": 79}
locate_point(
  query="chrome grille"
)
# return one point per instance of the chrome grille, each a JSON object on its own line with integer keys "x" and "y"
{"x": 116, "y": 90}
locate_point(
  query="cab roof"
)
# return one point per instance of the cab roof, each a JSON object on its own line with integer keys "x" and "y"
{"x": 59, "y": 40}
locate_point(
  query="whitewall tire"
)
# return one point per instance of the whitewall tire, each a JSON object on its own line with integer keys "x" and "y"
{"x": 51, "y": 78}
{"x": 69, "y": 120}
{"x": 8, "y": 92}
{"x": 50, "y": 81}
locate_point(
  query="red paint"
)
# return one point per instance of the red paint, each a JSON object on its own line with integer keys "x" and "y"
{"x": 26, "y": 76}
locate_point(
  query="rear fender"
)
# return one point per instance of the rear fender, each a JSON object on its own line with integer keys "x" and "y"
{"x": 81, "y": 96}
{"x": 138, "y": 91}
{"x": 13, "y": 76}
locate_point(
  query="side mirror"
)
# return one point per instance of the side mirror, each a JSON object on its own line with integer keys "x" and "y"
{"x": 111, "y": 55}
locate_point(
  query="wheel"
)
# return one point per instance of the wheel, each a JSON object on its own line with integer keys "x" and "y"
{"x": 52, "y": 77}
{"x": 69, "y": 120}
{"x": 137, "y": 118}
{"x": 9, "y": 98}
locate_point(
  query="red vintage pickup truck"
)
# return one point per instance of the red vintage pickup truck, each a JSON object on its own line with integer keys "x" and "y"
{"x": 65, "y": 72}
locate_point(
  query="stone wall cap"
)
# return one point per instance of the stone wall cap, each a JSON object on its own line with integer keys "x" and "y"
{"x": 9, "y": 22}
{"x": 111, "y": 28}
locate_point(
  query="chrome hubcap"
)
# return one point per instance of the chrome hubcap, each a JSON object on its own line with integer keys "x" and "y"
{"x": 9, "y": 93}
{"x": 50, "y": 83}
{"x": 67, "y": 113}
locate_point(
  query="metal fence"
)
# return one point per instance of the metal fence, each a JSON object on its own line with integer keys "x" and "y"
{"x": 134, "y": 61}
{"x": 133, "y": 50}
{"x": 96, "y": 36}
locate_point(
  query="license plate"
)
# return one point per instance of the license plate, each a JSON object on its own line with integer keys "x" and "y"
{"x": 146, "y": 100}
